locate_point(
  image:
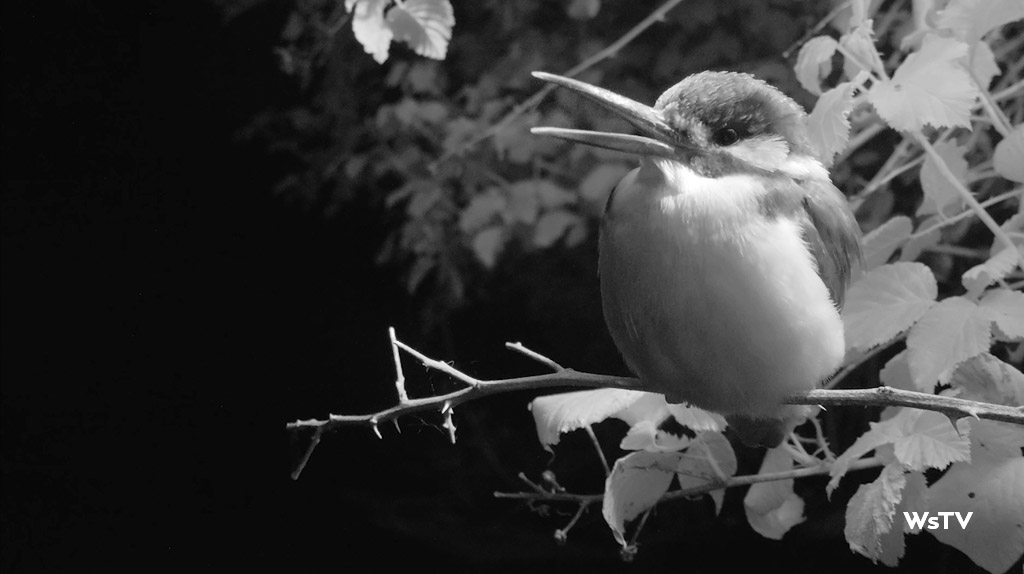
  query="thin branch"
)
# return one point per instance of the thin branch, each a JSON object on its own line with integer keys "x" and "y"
{"x": 745, "y": 480}
{"x": 520, "y": 348}
{"x": 532, "y": 102}
{"x": 562, "y": 534}
{"x": 600, "y": 452}
{"x": 969, "y": 212}
{"x": 476, "y": 388}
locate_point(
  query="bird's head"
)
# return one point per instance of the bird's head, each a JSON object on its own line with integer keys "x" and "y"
{"x": 715, "y": 123}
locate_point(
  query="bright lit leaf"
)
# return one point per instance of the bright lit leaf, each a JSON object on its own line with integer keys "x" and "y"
{"x": 645, "y": 435}
{"x": 896, "y": 373}
{"x": 929, "y": 88}
{"x": 828, "y": 125}
{"x": 872, "y": 511}
{"x": 1006, "y": 308}
{"x": 886, "y": 301}
{"x": 697, "y": 420}
{"x": 860, "y": 44}
{"x": 954, "y": 330}
{"x": 997, "y": 267}
{"x": 369, "y": 27}
{"x": 564, "y": 412}
{"x": 984, "y": 65}
{"x": 815, "y": 62}
{"x": 426, "y": 25}
{"x": 986, "y": 378}
{"x": 929, "y": 440}
{"x": 879, "y": 245}
{"x": 918, "y": 243}
{"x": 635, "y": 484}
{"x": 709, "y": 459}
{"x": 1008, "y": 154}
{"x": 992, "y": 487}
{"x": 913, "y": 499}
{"x": 970, "y": 20}
{"x": 773, "y": 508}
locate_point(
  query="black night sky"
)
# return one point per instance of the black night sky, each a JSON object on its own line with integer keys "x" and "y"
{"x": 164, "y": 314}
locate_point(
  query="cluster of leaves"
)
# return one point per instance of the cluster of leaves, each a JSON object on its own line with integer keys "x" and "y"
{"x": 951, "y": 344}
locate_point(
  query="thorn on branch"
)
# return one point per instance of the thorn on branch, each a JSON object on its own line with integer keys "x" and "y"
{"x": 447, "y": 410}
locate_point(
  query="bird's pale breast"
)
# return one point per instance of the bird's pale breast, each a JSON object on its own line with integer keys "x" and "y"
{"x": 711, "y": 301}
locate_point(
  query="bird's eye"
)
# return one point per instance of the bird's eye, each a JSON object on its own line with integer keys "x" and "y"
{"x": 725, "y": 137}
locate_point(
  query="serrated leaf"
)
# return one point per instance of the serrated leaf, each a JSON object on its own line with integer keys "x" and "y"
{"x": 992, "y": 487}
{"x": 939, "y": 192}
{"x": 879, "y": 245}
{"x": 707, "y": 456}
{"x": 997, "y": 267}
{"x": 481, "y": 210}
{"x": 970, "y": 20}
{"x": 814, "y": 62}
{"x": 645, "y": 435}
{"x": 564, "y": 412}
{"x": 886, "y": 301}
{"x": 773, "y": 508}
{"x": 871, "y": 512}
{"x": 598, "y": 184}
{"x": 425, "y": 25}
{"x": 954, "y": 330}
{"x": 929, "y": 440}
{"x": 914, "y": 498}
{"x": 370, "y": 28}
{"x": 986, "y": 378}
{"x": 697, "y": 420}
{"x": 488, "y": 244}
{"x": 929, "y": 88}
{"x": 828, "y": 125}
{"x": 636, "y": 483}
{"x": 1007, "y": 311}
{"x": 1007, "y": 158}
{"x": 552, "y": 226}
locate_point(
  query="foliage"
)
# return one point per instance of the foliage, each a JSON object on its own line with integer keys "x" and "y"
{"x": 935, "y": 89}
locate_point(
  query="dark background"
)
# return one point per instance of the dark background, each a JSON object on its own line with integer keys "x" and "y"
{"x": 164, "y": 314}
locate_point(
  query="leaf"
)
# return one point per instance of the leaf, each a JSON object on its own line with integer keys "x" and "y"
{"x": 551, "y": 194}
{"x": 879, "y": 245}
{"x": 814, "y": 62}
{"x": 481, "y": 210}
{"x": 896, "y": 373}
{"x": 1006, "y": 159}
{"x": 828, "y": 124}
{"x": 860, "y": 44}
{"x": 870, "y": 513}
{"x": 773, "y": 508}
{"x": 984, "y": 65}
{"x": 488, "y": 244}
{"x": 914, "y": 498}
{"x": 696, "y": 419}
{"x": 929, "y": 88}
{"x": 954, "y": 330}
{"x": 970, "y": 20}
{"x": 564, "y": 412}
{"x": 583, "y": 9}
{"x": 645, "y": 435}
{"x": 598, "y": 184}
{"x": 992, "y": 487}
{"x": 939, "y": 192}
{"x": 707, "y": 456}
{"x": 986, "y": 378}
{"x": 636, "y": 483}
{"x": 887, "y": 301}
{"x": 523, "y": 205}
{"x": 426, "y": 25}
{"x": 997, "y": 267}
{"x": 1006, "y": 308}
{"x": 552, "y": 225}
{"x": 369, "y": 27}
{"x": 929, "y": 440}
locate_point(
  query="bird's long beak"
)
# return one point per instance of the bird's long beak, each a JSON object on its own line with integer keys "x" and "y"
{"x": 658, "y": 137}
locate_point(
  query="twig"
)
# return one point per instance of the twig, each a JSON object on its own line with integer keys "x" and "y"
{"x": 745, "y": 480}
{"x": 969, "y": 212}
{"x": 531, "y": 102}
{"x": 476, "y": 388}
{"x": 562, "y": 534}
{"x": 968, "y": 197}
{"x": 520, "y": 348}
{"x": 600, "y": 452}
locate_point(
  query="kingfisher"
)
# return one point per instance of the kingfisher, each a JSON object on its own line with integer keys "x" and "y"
{"x": 724, "y": 257}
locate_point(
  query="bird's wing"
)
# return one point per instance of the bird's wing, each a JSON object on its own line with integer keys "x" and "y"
{"x": 832, "y": 234}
